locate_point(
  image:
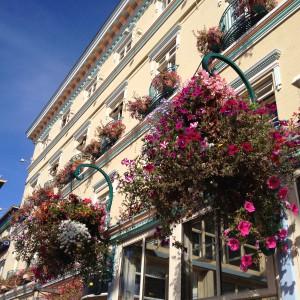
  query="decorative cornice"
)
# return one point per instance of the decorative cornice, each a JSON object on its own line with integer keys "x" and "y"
{"x": 135, "y": 49}
{"x": 83, "y": 60}
{"x": 100, "y": 185}
{"x": 258, "y": 67}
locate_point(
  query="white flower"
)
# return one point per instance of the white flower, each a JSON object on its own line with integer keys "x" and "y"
{"x": 71, "y": 234}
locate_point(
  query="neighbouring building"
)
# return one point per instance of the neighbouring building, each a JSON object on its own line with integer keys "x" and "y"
{"x": 8, "y": 264}
{"x": 140, "y": 39}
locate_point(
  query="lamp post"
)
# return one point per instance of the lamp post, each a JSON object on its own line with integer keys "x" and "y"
{"x": 94, "y": 286}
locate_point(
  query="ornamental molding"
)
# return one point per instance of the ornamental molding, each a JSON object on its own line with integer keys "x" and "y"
{"x": 55, "y": 157}
{"x": 264, "y": 64}
{"x": 85, "y": 81}
{"x": 102, "y": 184}
{"x": 135, "y": 49}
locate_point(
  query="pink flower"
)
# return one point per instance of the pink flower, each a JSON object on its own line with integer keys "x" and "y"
{"x": 249, "y": 207}
{"x": 233, "y": 244}
{"x": 271, "y": 242}
{"x": 226, "y": 232}
{"x": 194, "y": 125}
{"x": 246, "y": 262}
{"x": 232, "y": 150}
{"x": 294, "y": 208}
{"x": 149, "y": 168}
{"x": 163, "y": 145}
{"x": 247, "y": 147}
{"x": 87, "y": 201}
{"x": 128, "y": 178}
{"x": 244, "y": 227}
{"x": 273, "y": 182}
{"x": 178, "y": 125}
{"x": 282, "y": 233}
{"x": 282, "y": 193}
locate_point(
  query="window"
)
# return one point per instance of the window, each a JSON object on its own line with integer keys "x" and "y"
{"x": 200, "y": 240}
{"x": 145, "y": 271}
{"x": 91, "y": 88}
{"x": 81, "y": 141}
{"x": 125, "y": 47}
{"x": 54, "y": 163}
{"x": 167, "y": 58}
{"x": 103, "y": 199}
{"x": 265, "y": 93}
{"x": 65, "y": 119}
{"x": 34, "y": 180}
{"x": 116, "y": 113}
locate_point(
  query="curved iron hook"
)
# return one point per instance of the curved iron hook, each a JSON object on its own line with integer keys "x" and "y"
{"x": 206, "y": 62}
{"x": 107, "y": 178}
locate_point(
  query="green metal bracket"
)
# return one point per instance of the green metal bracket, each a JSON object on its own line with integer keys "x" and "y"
{"x": 107, "y": 178}
{"x": 210, "y": 56}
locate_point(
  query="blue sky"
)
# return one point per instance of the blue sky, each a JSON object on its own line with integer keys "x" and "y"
{"x": 40, "y": 40}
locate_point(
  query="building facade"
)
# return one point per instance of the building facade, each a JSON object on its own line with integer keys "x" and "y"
{"x": 140, "y": 39}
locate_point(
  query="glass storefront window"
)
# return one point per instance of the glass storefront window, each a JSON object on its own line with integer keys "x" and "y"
{"x": 145, "y": 270}
{"x": 200, "y": 242}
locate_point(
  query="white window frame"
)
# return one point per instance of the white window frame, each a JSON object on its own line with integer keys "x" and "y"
{"x": 272, "y": 279}
{"x": 65, "y": 118}
{"x": 34, "y": 181}
{"x": 172, "y": 37}
{"x": 80, "y": 134}
{"x": 125, "y": 47}
{"x": 55, "y": 159}
{"x": 91, "y": 88}
{"x": 116, "y": 99}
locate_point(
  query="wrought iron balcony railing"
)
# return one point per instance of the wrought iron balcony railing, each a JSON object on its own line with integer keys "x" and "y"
{"x": 238, "y": 18}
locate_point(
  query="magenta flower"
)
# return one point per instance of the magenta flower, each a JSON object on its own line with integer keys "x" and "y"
{"x": 282, "y": 193}
{"x": 87, "y": 201}
{"x": 178, "y": 125}
{"x": 233, "y": 244}
{"x": 247, "y": 147}
{"x": 244, "y": 227}
{"x": 249, "y": 207}
{"x": 273, "y": 182}
{"x": 271, "y": 242}
{"x": 232, "y": 150}
{"x": 226, "y": 232}
{"x": 294, "y": 208}
{"x": 246, "y": 262}
{"x": 149, "y": 168}
{"x": 163, "y": 145}
{"x": 282, "y": 233}
{"x": 128, "y": 178}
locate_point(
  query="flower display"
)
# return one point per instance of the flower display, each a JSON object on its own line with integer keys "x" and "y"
{"x": 92, "y": 150}
{"x": 139, "y": 107}
{"x": 65, "y": 175}
{"x": 113, "y": 130}
{"x": 209, "y": 150}
{"x": 209, "y": 40}
{"x": 63, "y": 235}
{"x": 166, "y": 81}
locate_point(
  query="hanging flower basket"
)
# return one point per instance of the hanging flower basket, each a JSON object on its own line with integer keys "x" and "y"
{"x": 66, "y": 175}
{"x": 139, "y": 107}
{"x": 166, "y": 82}
{"x": 73, "y": 238}
{"x": 111, "y": 132}
{"x": 93, "y": 150}
{"x": 209, "y": 40}
{"x": 212, "y": 151}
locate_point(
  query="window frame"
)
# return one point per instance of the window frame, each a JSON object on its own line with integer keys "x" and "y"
{"x": 270, "y": 269}
{"x": 143, "y": 239}
{"x": 125, "y": 47}
{"x": 65, "y": 118}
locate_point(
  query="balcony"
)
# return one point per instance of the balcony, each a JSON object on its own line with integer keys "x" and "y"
{"x": 170, "y": 82}
{"x": 239, "y": 17}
